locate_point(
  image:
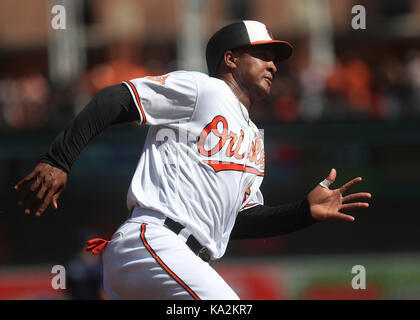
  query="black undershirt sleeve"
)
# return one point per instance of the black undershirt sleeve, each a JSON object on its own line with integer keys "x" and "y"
{"x": 263, "y": 221}
{"x": 109, "y": 106}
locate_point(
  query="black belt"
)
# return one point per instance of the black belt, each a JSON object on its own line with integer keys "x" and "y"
{"x": 192, "y": 242}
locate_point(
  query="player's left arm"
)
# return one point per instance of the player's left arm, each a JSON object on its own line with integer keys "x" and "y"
{"x": 321, "y": 204}
{"x": 263, "y": 221}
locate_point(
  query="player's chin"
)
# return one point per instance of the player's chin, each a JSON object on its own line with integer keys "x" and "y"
{"x": 264, "y": 90}
{"x": 260, "y": 90}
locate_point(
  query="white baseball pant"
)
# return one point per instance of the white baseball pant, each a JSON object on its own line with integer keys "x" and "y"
{"x": 146, "y": 260}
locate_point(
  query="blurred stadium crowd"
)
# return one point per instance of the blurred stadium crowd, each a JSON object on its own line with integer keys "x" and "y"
{"x": 355, "y": 88}
{"x": 372, "y": 76}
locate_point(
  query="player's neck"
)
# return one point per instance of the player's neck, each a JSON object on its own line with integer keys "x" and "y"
{"x": 237, "y": 91}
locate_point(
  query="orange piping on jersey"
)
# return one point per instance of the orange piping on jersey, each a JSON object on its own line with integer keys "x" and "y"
{"x": 221, "y": 166}
{"x": 163, "y": 265}
{"x": 246, "y": 194}
{"x": 250, "y": 204}
{"x": 138, "y": 101}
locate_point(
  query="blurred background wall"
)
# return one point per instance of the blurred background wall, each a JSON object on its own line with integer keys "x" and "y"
{"x": 348, "y": 99}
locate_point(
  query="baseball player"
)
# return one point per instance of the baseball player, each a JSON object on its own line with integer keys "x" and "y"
{"x": 197, "y": 183}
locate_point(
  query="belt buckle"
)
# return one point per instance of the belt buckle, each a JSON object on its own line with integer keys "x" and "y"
{"x": 204, "y": 254}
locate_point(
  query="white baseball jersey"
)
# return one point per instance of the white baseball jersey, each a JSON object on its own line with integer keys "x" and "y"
{"x": 203, "y": 158}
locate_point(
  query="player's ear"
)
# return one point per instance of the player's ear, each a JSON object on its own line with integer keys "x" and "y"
{"x": 228, "y": 62}
{"x": 230, "y": 59}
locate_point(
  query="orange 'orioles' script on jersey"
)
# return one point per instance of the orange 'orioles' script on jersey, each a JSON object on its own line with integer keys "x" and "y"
{"x": 255, "y": 154}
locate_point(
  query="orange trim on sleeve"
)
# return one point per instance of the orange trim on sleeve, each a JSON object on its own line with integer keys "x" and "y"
{"x": 138, "y": 101}
{"x": 163, "y": 265}
{"x": 251, "y": 204}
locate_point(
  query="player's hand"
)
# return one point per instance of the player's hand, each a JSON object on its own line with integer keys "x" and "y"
{"x": 48, "y": 182}
{"x": 328, "y": 203}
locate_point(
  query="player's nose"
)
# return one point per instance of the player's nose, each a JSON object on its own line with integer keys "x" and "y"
{"x": 271, "y": 67}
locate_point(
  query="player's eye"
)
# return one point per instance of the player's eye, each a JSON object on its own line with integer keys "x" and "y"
{"x": 264, "y": 55}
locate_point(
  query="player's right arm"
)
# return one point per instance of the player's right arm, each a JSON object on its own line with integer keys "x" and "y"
{"x": 47, "y": 181}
